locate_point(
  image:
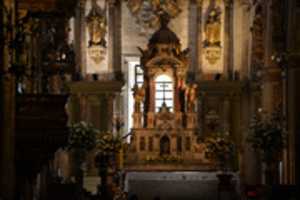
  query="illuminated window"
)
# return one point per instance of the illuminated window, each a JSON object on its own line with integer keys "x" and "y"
{"x": 163, "y": 92}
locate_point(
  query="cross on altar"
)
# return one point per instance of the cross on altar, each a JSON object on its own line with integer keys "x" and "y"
{"x": 164, "y": 86}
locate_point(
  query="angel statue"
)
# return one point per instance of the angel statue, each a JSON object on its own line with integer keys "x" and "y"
{"x": 139, "y": 95}
{"x": 191, "y": 97}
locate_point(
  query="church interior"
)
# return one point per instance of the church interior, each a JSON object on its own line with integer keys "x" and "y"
{"x": 150, "y": 99}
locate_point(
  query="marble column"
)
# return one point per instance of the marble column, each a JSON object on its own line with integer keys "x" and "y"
{"x": 250, "y": 161}
{"x": 151, "y": 111}
{"x": 80, "y": 37}
{"x": 228, "y": 40}
{"x": 7, "y": 106}
{"x": 193, "y": 33}
{"x": 110, "y": 105}
{"x": 118, "y": 40}
{"x": 293, "y": 109}
{"x": 199, "y": 44}
{"x": 114, "y": 38}
{"x": 226, "y": 114}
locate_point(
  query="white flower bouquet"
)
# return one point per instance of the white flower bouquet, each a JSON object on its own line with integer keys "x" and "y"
{"x": 82, "y": 136}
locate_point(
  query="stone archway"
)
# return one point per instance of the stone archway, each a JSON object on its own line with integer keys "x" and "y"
{"x": 165, "y": 145}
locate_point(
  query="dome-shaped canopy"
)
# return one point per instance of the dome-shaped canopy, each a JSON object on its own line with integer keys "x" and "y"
{"x": 164, "y": 35}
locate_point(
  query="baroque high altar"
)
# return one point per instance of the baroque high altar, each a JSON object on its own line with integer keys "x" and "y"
{"x": 165, "y": 132}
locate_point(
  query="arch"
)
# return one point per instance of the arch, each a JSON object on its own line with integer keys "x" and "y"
{"x": 165, "y": 145}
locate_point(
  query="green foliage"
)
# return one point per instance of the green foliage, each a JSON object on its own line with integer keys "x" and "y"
{"x": 82, "y": 136}
{"x": 220, "y": 149}
{"x": 108, "y": 142}
{"x": 266, "y": 133}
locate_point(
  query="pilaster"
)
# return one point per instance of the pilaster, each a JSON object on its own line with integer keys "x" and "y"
{"x": 7, "y": 105}
{"x": 228, "y": 39}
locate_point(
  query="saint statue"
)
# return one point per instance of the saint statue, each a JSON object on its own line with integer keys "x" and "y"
{"x": 139, "y": 95}
{"x": 96, "y": 23}
{"x": 213, "y": 28}
{"x": 191, "y": 97}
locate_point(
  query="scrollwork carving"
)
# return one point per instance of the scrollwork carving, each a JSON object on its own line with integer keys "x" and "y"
{"x": 147, "y": 12}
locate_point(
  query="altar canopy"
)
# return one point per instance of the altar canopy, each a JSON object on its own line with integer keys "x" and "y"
{"x": 165, "y": 134}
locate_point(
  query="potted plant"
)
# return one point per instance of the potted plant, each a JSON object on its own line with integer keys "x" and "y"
{"x": 82, "y": 138}
{"x": 108, "y": 146}
{"x": 267, "y": 135}
{"x": 221, "y": 150}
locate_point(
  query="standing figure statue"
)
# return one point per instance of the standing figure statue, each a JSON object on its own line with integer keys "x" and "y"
{"x": 191, "y": 97}
{"x": 139, "y": 95}
{"x": 213, "y": 28}
{"x": 96, "y": 23}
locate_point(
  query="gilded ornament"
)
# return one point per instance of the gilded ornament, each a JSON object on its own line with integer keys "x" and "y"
{"x": 212, "y": 42}
{"x": 213, "y": 28}
{"x": 96, "y": 23}
{"x": 147, "y": 12}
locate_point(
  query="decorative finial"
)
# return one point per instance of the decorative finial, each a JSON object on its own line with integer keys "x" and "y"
{"x": 164, "y": 19}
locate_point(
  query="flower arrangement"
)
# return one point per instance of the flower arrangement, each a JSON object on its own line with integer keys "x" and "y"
{"x": 266, "y": 133}
{"x": 221, "y": 150}
{"x": 82, "y": 136}
{"x": 108, "y": 142}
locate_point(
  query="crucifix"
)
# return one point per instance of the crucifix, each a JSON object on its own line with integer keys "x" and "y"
{"x": 164, "y": 86}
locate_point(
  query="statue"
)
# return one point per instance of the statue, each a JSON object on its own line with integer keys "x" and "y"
{"x": 191, "y": 97}
{"x": 181, "y": 92}
{"x": 96, "y": 23}
{"x": 139, "y": 95}
{"x": 213, "y": 28}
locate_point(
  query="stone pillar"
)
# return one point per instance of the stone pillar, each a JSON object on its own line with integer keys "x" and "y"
{"x": 80, "y": 37}
{"x": 73, "y": 109}
{"x": 117, "y": 37}
{"x": 250, "y": 161}
{"x": 193, "y": 34}
{"x": 114, "y": 38}
{"x": 228, "y": 40}
{"x": 151, "y": 111}
{"x": 226, "y": 114}
{"x": 177, "y": 99}
{"x": 110, "y": 115}
{"x": 293, "y": 108}
{"x": 7, "y": 104}
{"x": 199, "y": 41}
